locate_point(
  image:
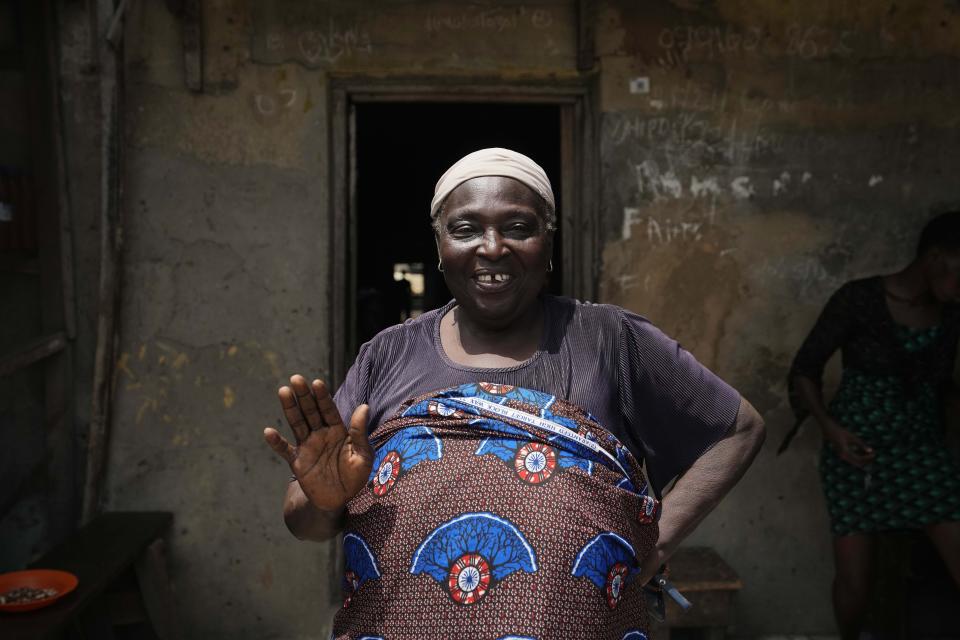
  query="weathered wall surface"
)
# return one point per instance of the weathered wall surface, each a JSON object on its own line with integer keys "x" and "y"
{"x": 778, "y": 150}
{"x": 225, "y": 276}
{"x": 782, "y": 148}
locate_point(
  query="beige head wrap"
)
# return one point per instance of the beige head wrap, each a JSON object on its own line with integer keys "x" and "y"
{"x": 494, "y": 162}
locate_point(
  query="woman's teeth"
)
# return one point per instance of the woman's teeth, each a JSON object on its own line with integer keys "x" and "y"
{"x": 493, "y": 277}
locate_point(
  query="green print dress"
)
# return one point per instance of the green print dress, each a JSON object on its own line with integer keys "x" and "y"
{"x": 891, "y": 396}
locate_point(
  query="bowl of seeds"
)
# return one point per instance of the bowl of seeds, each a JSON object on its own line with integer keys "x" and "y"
{"x": 34, "y": 588}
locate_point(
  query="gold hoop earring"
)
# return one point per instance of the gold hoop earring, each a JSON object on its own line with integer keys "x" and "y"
{"x": 550, "y": 265}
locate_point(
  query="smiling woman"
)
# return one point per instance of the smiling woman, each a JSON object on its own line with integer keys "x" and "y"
{"x": 495, "y": 251}
{"x": 572, "y": 396}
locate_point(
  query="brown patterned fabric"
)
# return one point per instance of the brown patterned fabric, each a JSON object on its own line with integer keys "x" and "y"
{"x": 497, "y": 512}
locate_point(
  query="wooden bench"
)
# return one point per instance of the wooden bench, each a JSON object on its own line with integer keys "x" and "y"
{"x": 120, "y": 562}
{"x": 710, "y": 584}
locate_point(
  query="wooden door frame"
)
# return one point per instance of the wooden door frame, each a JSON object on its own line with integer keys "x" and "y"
{"x": 579, "y": 153}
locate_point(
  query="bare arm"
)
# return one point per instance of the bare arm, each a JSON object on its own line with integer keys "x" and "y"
{"x": 811, "y": 396}
{"x": 704, "y": 484}
{"x": 307, "y": 522}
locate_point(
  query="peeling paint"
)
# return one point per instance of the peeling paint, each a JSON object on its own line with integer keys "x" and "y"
{"x": 273, "y": 359}
{"x": 147, "y": 403}
{"x": 781, "y": 184}
{"x": 741, "y": 188}
{"x": 123, "y": 366}
{"x": 228, "y": 397}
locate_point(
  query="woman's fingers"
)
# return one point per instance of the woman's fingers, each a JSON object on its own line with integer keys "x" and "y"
{"x": 283, "y": 448}
{"x": 308, "y": 404}
{"x": 328, "y": 410}
{"x": 291, "y": 411}
{"x": 859, "y": 444}
{"x": 856, "y": 451}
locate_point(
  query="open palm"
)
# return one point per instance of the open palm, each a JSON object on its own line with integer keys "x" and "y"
{"x": 330, "y": 461}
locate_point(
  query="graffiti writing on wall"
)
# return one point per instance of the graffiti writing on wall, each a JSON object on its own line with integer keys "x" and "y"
{"x": 324, "y": 45}
{"x": 495, "y": 20}
{"x": 679, "y": 44}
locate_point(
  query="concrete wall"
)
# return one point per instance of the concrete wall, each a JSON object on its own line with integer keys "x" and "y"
{"x": 778, "y": 150}
{"x": 782, "y": 149}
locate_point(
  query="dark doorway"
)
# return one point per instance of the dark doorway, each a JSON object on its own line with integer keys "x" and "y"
{"x": 401, "y": 151}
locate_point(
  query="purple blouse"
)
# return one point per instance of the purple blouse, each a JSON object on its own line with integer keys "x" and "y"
{"x": 638, "y": 382}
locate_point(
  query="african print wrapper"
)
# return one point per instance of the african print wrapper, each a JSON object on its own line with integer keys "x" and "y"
{"x": 496, "y": 512}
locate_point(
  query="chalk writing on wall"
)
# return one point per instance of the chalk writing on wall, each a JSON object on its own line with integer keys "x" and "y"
{"x": 270, "y": 105}
{"x": 495, "y": 20}
{"x": 654, "y": 185}
{"x": 663, "y": 231}
{"x": 690, "y": 138}
{"x": 668, "y": 151}
{"x": 323, "y": 46}
{"x": 803, "y": 272}
{"x": 679, "y": 44}
{"x": 345, "y": 34}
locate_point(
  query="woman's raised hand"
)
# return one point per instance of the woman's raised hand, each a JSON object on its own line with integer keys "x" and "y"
{"x": 331, "y": 462}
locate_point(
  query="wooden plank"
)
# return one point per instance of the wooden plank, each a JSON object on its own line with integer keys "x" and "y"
{"x": 115, "y": 30}
{"x": 568, "y": 216}
{"x": 339, "y": 237}
{"x": 710, "y": 609}
{"x": 43, "y": 112}
{"x": 59, "y": 302}
{"x": 586, "y": 34}
{"x": 56, "y": 255}
{"x": 62, "y": 504}
{"x": 702, "y": 569}
{"x": 588, "y": 156}
{"x": 32, "y": 352}
{"x": 460, "y": 90}
{"x": 156, "y": 591}
{"x": 110, "y": 247}
{"x": 191, "y": 18}
{"x": 351, "y": 257}
{"x": 466, "y": 97}
{"x": 97, "y": 555}
{"x": 341, "y": 312}
{"x": 58, "y": 153}
{"x": 695, "y": 586}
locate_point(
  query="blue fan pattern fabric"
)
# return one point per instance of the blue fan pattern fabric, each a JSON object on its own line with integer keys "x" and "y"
{"x": 496, "y": 512}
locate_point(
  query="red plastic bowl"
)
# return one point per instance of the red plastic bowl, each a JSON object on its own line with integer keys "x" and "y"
{"x": 63, "y": 581}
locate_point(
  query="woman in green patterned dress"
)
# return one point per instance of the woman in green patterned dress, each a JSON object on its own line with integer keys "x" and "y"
{"x": 886, "y": 466}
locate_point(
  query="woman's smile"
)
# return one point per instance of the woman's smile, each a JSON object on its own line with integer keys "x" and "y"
{"x": 493, "y": 281}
